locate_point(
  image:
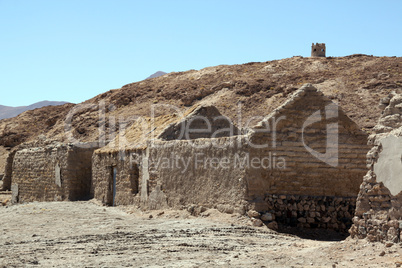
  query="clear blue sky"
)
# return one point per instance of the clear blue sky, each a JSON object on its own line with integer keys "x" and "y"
{"x": 72, "y": 50}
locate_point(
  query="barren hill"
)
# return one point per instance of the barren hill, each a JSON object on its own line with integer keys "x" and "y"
{"x": 8, "y": 111}
{"x": 356, "y": 83}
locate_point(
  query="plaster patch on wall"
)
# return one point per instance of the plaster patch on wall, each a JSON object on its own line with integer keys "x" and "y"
{"x": 57, "y": 175}
{"x": 389, "y": 165}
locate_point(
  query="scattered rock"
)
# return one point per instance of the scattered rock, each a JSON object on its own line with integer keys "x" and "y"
{"x": 253, "y": 214}
{"x": 5, "y": 202}
{"x": 273, "y": 225}
{"x": 257, "y": 222}
{"x": 390, "y": 244}
{"x": 267, "y": 217}
{"x": 382, "y": 253}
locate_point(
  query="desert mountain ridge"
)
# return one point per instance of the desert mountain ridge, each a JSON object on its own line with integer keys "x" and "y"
{"x": 357, "y": 83}
{"x": 9, "y": 111}
{"x": 155, "y": 75}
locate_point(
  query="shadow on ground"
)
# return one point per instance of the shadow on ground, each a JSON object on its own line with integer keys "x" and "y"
{"x": 314, "y": 234}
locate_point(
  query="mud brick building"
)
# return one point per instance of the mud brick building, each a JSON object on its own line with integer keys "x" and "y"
{"x": 51, "y": 173}
{"x": 303, "y": 163}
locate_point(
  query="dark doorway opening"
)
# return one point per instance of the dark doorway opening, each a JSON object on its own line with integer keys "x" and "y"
{"x": 111, "y": 192}
{"x": 134, "y": 179}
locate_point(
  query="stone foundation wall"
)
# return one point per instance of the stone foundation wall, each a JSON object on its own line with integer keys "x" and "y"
{"x": 327, "y": 212}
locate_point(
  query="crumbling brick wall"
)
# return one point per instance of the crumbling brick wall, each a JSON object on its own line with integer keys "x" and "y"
{"x": 378, "y": 215}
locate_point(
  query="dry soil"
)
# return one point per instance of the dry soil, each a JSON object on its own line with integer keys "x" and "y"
{"x": 85, "y": 234}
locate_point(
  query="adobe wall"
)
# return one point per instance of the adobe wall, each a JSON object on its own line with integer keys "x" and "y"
{"x": 142, "y": 168}
{"x": 339, "y": 173}
{"x": 128, "y": 184}
{"x": 51, "y": 173}
{"x": 293, "y": 169}
{"x": 378, "y": 214}
{"x": 197, "y": 172}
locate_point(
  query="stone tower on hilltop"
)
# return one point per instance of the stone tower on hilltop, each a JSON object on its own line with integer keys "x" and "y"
{"x": 318, "y": 50}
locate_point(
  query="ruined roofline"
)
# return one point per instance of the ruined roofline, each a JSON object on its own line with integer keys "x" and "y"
{"x": 189, "y": 113}
{"x": 297, "y": 95}
{"x": 80, "y": 145}
{"x": 114, "y": 150}
{"x": 161, "y": 128}
{"x": 197, "y": 110}
{"x": 137, "y": 140}
{"x": 32, "y": 146}
{"x": 305, "y": 91}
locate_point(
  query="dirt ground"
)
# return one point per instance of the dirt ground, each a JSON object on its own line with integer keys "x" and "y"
{"x": 85, "y": 234}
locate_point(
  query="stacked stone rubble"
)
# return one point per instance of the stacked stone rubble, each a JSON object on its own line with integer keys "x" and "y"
{"x": 324, "y": 212}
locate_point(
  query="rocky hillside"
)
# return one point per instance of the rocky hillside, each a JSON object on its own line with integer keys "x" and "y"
{"x": 8, "y": 111}
{"x": 356, "y": 83}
